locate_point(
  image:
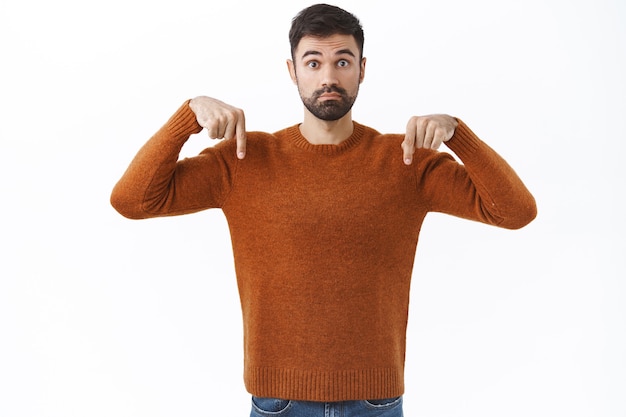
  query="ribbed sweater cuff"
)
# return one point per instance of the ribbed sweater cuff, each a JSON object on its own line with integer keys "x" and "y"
{"x": 464, "y": 143}
{"x": 183, "y": 123}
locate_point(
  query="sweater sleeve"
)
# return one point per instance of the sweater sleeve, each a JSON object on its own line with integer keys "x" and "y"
{"x": 483, "y": 188}
{"x": 157, "y": 183}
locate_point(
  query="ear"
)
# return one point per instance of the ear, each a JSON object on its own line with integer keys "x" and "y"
{"x": 292, "y": 71}
{"x": 362, "y": 76}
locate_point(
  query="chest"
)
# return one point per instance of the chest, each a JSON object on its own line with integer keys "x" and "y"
{"x": 324, "y": 193}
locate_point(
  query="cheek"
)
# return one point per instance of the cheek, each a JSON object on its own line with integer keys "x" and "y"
{"x": 352, "y": 82}
{"x": 305, "y": 82}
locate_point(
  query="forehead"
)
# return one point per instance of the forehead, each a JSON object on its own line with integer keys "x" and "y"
{"x": 330, "y": 45}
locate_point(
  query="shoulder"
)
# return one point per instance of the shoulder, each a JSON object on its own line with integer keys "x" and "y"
{"x": 389, "y": 145}
{"x": 377, "y": 142}
{"x": 253, "y": 138}
{"x": 375, "y": 136}
{"x": 260, "y": 145}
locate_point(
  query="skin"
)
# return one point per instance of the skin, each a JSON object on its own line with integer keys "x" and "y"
{"x": 323, "y": 63}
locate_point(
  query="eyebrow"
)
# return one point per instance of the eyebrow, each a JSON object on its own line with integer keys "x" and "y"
{"x": 340, "y": 52}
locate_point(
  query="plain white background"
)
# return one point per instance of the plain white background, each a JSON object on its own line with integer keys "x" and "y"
{"x": 104, "y": 316}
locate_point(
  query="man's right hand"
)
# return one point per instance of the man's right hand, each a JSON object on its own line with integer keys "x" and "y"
{"x": 221, "y": 121}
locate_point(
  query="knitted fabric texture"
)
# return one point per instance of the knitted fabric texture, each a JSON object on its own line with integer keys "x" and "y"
{"x": 324, "y": 240}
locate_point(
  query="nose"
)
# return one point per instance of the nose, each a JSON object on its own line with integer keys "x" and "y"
{"x": 329, "y": 76}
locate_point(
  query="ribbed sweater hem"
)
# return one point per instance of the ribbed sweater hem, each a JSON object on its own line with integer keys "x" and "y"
{"x": 327, "y": 386}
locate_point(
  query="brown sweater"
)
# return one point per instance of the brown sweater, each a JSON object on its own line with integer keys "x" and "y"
{"x": 324, "y": 240}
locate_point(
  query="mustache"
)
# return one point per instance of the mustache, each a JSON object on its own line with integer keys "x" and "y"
{"x": 330, "y": 89}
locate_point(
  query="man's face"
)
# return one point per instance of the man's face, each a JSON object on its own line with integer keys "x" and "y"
{"x": 328, "y": 73}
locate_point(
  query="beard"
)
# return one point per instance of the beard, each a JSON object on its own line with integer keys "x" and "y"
{"x": 329, "y": 110}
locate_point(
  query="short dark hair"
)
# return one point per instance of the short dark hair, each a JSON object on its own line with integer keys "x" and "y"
{"x": 324, "y": 20}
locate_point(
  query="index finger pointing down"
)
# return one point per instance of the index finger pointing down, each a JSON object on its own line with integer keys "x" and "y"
{"x": 241, "y": 138}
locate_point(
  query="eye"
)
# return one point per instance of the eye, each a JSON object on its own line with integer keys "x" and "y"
{"x": 343, "y": 63}
{"x": 312, "y": 64}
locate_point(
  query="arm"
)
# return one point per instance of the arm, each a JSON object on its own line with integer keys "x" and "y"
{"x": 484, "y": 188}
{"x": 156, "y": 183}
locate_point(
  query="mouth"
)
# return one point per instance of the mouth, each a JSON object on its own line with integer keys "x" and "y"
{"x": 330, "y": 96}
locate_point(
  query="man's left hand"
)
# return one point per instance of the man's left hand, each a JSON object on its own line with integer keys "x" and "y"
{"x": 427, "y": 132}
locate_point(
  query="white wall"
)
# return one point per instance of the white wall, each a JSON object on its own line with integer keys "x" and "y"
{"x": 103, "y": 316}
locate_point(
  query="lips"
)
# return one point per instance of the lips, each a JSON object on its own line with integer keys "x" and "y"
{"x": 330, "y": 97}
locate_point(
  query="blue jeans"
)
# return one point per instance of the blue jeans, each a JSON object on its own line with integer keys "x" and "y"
{"x": 274, "y": 407}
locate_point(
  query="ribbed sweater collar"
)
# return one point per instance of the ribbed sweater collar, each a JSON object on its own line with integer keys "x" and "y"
{"x": 300, "y": 141}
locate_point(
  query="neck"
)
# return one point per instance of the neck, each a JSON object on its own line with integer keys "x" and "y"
{"x": 322, "y": 132}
